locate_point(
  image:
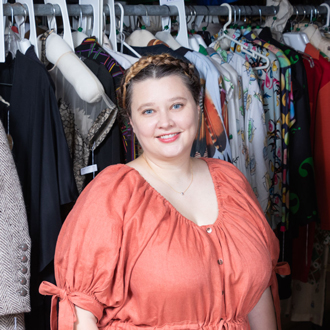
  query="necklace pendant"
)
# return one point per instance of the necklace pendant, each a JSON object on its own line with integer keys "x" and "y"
{"x": 182, "y": 193}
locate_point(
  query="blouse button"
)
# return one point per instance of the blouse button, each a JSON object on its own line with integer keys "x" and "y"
{"x": 209, "y": 230}
{"x": 22, "y": 280}
{"x": 220, "y": 261}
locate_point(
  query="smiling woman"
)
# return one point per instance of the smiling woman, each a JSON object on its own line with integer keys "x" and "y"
{"x": 165, "y": 242}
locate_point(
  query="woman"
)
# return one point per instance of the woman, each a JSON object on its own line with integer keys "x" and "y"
{"x": 166, "y": 241}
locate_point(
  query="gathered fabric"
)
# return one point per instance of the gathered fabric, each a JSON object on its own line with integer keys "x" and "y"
{"x": 128, "y": 256}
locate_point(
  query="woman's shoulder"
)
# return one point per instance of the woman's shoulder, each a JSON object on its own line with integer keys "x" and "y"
{"x": 223, "y": 170}
{"x": 115, "y": 184}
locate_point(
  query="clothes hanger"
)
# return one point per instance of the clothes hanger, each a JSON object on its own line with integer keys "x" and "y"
{"x": 250, "y": 52}
{"x": 67, "y": 36}
{"x": 121, "y": 33}
{"x": 296, "y": 39}
{"x": 11, "y": 38}
{"x": 33, "y": 31}
{"x": 23, "y": 44}
{"x": 182, "y": 37}
{"x": 326, "y": 26}
{"x": 97, "y": 19}
{"x": 78, "y": 36}
{"x": 112, "y": 15}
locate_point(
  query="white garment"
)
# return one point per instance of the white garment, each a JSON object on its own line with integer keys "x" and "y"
{"x": 166, "y": 37}
{"x": 140, "y": 38}
{"x": 255, "y": 134}
{"x": 235, "y": 119}
{"x": 126, "y": 61}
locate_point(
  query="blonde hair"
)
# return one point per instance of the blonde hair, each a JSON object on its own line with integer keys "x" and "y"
{"x": 156, "y": 66}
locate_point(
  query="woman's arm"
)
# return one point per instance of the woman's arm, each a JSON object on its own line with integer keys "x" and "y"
{"x": 262, "y": 315}
{"x": 85, "y": 320}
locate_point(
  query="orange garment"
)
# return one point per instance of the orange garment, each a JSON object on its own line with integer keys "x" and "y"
{"x": 128, "y": 256}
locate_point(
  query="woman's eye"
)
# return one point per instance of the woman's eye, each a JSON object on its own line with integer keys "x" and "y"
{"x": 177, "y": 106}
{"x": 147, "y": 112}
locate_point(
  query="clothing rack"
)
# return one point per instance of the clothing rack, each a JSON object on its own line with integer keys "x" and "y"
{"x": 155, "y": 10}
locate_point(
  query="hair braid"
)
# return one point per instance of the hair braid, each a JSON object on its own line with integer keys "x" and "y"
{"x": 156, "y": 66}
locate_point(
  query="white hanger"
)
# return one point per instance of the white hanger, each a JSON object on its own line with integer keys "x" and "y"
{"x": 33, "y": 31}
{"x": 296, "y": 40}
{"x": 67, "y": 37}
{"x": 328, "y": 15}
{"x": 112, "y": 14}
{"x": 97, "y": 18}
{"x": 182, "y": 37}
{"x": 251, "y": 52}
{"x": 121, "y": 33}
{"x": 2, "y": 36}
{"x": 23, "y": 44}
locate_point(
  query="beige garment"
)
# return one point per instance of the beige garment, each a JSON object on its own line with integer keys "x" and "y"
{"x": 15, "y": 243}
{"x": 140, "y": 38}
{"x": 284, "y": 13}
{"x": 315, "y": 38}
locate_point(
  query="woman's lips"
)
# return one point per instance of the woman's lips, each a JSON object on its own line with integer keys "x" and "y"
{"x": 168, "y": 138}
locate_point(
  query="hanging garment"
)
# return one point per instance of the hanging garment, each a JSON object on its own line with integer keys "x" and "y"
{"x": 111, "y": 150}
{"x": 15, "y": 244}
{"x": 321, "y": 138}
{"x": 287, "y": 111}
{"x": 315, "y": 37}
{"x": 44, "y": 167}
{"x": 303, "y": 205}
{"x": 254, "y": 124}
{"x": 183, "y": 289}
{"x": 92, "y": 50}
{"x": 216, "y": 136}
{"x": 6, "y": 82}
{"x": 86, "y": 125}
{"x": 235, "y": 118}
{"x": 268, "y": 80}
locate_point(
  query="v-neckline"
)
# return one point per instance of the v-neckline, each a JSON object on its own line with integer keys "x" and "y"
{"x": 216, "y": 191}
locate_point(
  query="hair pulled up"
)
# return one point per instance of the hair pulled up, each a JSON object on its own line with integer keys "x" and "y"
{"x": 156, "y": 66}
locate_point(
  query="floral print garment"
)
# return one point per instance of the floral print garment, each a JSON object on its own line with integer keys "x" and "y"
{"x": 287, "y": 111}
{"x": 254, "y": 133}
{"x": 269, "y": 82}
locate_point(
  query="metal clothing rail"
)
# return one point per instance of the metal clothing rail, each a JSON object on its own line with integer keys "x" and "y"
{"x": 155, "y": 10}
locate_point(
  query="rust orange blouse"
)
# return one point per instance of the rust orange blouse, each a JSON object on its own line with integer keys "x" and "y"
{"x": 128, "y": 256}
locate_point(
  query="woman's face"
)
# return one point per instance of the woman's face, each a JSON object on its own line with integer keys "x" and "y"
{"x": 164, "y": 117}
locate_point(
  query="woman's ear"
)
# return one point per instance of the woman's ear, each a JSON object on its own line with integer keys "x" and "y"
{"x": 131, "y": 123}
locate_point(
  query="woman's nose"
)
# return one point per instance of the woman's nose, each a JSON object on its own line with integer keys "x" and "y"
{"x": 165, "y": 120}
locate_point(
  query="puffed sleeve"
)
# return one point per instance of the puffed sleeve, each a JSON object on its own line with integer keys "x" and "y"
{"x": 88, "y": 250}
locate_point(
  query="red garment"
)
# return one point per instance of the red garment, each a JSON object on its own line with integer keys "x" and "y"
{"x": 322, "y": 139}
{"x": 128, "y": 256}
{"x": 303, "y": 244}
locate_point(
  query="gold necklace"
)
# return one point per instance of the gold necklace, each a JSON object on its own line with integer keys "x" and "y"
{"x": 179, "y": 192}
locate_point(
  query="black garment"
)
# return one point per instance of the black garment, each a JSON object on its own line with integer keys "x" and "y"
{"x": 111, "y": 150}
{"x": 303, "y": 207}
{"x": 155, "y": 50}
{"x": 206, "y": 35}
{"x": 6, "y": 81}
{"x": 44, "y": 168}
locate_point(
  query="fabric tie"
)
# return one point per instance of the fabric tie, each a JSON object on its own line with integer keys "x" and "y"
{"x": 67, "y": 310}
{"x": 282, "y": 268}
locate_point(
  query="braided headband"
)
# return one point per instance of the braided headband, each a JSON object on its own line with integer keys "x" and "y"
{"x": 163, "y": 59}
